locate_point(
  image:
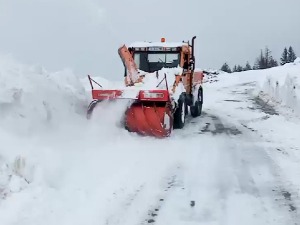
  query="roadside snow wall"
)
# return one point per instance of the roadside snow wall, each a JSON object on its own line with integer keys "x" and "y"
{"x": 283, "y": 87}
{"x": 33, "y": 102}
{"x": 32, "y": 99}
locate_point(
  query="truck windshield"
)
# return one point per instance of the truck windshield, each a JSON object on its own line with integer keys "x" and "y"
{"x": 150, "y": 62}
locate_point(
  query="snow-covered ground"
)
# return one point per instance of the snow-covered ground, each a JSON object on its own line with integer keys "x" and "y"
{"x": 239, "y": 163}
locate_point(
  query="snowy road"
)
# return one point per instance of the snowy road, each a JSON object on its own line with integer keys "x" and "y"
{"x": 220, "y": 169}
{"x": 234, "y": 178}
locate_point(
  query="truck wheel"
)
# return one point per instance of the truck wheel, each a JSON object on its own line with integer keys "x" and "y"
{"x": 196, "y": 109}
{"x": 180, "y": 113}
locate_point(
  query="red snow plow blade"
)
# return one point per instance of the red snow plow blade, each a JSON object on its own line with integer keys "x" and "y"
{"x": 148, "y": 115}
{"x": 149, "y": 120}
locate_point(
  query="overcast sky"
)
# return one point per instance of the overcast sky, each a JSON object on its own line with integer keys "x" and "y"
{"x": 85, "y": 35}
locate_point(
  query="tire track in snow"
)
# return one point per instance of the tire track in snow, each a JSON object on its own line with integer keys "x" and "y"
{"x": 131, "y": 203}
{"x": 154, "y": 211}
{"x": 117, "y": 215}
{"x": 171, "y": 181}
{"x": 207, "y": 123}
{"x": 284, "y": 193}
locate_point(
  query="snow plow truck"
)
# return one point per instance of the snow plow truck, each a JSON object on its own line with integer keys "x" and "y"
{"x": 161, "y": 85}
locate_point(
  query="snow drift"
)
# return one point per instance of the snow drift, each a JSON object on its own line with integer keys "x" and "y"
{"x": 33, "y": 102}
{"x": 32, "y": 99}
{"x": 281, "y": 86}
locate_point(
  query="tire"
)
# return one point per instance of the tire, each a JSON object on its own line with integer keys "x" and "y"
{"x": 180, "y": 113}
{"x": 196, "y": 109}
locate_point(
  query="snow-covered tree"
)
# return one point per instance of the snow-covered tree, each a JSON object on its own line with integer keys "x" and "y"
{"x": 247, "y": 67}
{"x": 284, "y": 56}
{"x": 291, "y": 55}
{"x": 234, "y": 69}
{"x": 226, "y": 68}
{"x": 260, "y": 61}
{"x": 239, "y": 68}
{"x": 272, "y": 62}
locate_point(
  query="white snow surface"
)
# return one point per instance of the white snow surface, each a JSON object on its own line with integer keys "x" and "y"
{"x": 238, "y": 162}
{"x": 34, "y": 99}
{"x": 297, "y": 61}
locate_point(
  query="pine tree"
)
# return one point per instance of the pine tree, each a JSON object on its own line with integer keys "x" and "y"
{"x": 260, "y": 62}
{"x": 284, "y": 57}
{"x": 239, "y": 68}
{"x": 265, "y": 60}
{"x": 234, "y": 69}
{"x": 273, "y": 62}
{"x": 291, "y": 55}
{"x": 226, "y": 68}
{"x": 247, "y": 67}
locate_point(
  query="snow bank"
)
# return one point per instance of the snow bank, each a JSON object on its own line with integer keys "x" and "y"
{"x": 14, "y": 176}
{"x": 32, "y": 99}
{"x": 282, "y": 86}
{"x": 297, "y": 61}
{"x": 286, "y": 92}
{"x": 33, "y": 102}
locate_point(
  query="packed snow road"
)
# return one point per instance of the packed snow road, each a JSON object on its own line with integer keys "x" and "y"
{"x": 239, "y": 163}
